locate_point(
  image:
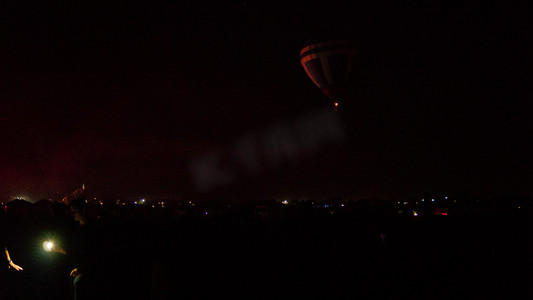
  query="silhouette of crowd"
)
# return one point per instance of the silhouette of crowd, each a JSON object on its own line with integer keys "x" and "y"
{"x": 266, "y": 250}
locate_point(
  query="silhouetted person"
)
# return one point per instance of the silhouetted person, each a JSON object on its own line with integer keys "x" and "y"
{"x": 8, "y": 288}
{"x": 3, "y": 242}
{"x": 83, "y": 252}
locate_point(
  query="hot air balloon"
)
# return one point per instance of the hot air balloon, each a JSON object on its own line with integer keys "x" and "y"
{"x": 329, "y": 65}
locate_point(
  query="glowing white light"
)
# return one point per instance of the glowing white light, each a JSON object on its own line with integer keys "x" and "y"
{"x": 285, "y": 202}
{"x": 48, "y": 246}
{"x": 415, "y": 213}
{"x": 24, "y": 198}
{"x": 432, "y": 200}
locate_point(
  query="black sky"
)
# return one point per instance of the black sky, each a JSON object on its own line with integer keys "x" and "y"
{"x": 124, "y": 97}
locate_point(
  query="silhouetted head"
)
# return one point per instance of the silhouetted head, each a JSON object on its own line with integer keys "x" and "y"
{"x": 78, "y": 210}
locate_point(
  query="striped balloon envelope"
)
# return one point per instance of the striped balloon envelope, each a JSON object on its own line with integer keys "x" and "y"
{"x": 329, "y": 65}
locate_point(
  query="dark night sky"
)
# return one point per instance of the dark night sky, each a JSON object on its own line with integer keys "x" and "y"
{"x": 125, "y": 97}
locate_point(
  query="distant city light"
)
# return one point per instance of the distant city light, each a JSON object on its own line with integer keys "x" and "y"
{"x": 441, "y": 212}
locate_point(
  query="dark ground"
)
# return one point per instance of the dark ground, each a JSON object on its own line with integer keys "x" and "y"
{"x": 292, "y": 253}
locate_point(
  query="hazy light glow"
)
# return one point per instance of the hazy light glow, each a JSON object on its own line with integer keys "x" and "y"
{"x": 24, "y": 198}
{"x": 48, "y": 246}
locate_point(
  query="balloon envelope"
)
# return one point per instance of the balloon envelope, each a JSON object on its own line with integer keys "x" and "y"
{"x": 329, "y": 65}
